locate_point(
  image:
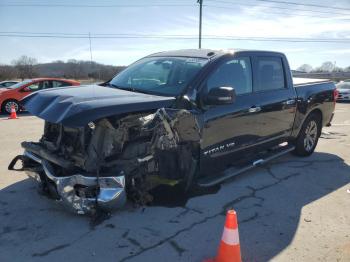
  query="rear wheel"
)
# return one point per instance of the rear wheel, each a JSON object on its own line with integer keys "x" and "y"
{"x": 7, "y": 106}
{"x": 308, "y": 136}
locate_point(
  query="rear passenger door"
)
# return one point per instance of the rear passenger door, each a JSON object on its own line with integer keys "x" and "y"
{"x": 276, "y": 96}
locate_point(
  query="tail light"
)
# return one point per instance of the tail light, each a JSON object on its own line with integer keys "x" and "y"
{"x": 335, "y": 94}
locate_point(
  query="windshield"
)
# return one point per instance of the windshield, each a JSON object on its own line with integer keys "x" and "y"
{"x": 159, "y": 75}
{"x": 19, "y": 84}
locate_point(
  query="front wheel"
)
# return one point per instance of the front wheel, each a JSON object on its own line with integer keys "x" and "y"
{"x": 6, "y": 108}
{"x": 308, "y": 136}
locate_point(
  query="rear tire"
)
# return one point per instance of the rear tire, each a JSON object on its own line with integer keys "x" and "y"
{"x": 7, "y": 105}
{"x": 307, "y": 139}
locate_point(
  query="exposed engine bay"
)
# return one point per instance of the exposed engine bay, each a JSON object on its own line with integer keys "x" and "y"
{"x": 114, "y": 158}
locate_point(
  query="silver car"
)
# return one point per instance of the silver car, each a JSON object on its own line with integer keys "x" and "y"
{"x": 344, "y": 91}
{"x": 5, "y": 84}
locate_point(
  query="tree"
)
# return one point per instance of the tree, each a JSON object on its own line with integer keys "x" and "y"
{"x": 7, "y": 72}
{"x": 326, "y": 67}
{"x": 305, "y": 68}
{"x": 25, "y": 66}
{"x": 338, "y": 69}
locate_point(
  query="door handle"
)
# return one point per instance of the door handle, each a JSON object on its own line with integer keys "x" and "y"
{"x": 254, "y": 109}
{"x": 290, "y": 102}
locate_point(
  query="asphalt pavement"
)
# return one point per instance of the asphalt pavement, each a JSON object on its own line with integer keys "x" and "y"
{"x": 292, "y": 209}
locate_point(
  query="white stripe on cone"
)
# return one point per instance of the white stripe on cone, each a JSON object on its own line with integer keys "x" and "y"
{"x": 230, "y": 236}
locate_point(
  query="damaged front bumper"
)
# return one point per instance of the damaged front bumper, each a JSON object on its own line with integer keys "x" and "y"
{"x": 100, "y": 165}
{"x": 79, "y": 192}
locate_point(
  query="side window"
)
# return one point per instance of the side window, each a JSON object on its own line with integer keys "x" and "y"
{"x": 34, "y": 87}
{"x": 44, "y": 85}
{"x": 235, "y": 73}
{"x": 270, "y": 74}
{"x": 59, "y": 84}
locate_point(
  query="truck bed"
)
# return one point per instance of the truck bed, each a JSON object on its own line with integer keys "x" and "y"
{"x": 298, "y": 81}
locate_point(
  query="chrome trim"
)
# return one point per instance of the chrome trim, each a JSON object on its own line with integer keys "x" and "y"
{"x": 111, "y": 191}
{"x": 32, "y": 156}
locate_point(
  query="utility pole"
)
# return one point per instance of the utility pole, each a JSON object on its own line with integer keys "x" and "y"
{"x": 90, "y": 48}
{"x": 200, "y": 23}
{"x": 90, "y": 55}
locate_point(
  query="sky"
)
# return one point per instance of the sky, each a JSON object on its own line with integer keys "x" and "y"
{"x": 221, "y": 18}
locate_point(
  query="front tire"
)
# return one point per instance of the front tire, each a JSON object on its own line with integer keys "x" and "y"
{"x": 308, "y": 136}
{"x": 6, "y": 107}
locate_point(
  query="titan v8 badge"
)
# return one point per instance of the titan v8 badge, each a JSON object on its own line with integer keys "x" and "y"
{"x": 219, "y": 148}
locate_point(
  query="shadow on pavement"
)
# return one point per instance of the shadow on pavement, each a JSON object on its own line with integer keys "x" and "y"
{"x": 275, "y": 215}
{"x": 268, "y": 201}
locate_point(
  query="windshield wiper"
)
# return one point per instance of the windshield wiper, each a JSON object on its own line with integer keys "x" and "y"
{"x": 123, "y": 88}
{"x": 115, "y": 86}
{"x": 131, "y": 89}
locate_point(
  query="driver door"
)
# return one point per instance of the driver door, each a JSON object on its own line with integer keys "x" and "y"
{"x": 229, "y": 131}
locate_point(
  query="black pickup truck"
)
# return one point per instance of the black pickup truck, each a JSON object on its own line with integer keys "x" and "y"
{"x": 188, "y": 117}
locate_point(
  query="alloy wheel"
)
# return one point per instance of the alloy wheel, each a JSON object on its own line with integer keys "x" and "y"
{"x": 9, "y": 106}
{"x": 310, "y": 136}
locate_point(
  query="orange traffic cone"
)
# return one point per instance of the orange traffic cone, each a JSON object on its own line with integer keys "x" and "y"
{"x": 229, "y": 249}
{"x": 13, "y": 113}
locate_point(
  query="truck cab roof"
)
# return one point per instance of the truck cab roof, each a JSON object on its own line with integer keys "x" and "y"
{"x": 211, "y": 53}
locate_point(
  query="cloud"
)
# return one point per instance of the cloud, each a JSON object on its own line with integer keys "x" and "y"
{"x": 336, "y": 51}
{"x": 235, "y": 20}
{"x": 261, "y": 21}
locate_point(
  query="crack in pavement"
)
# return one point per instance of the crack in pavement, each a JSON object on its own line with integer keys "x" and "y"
{"x": 307, "y": 162}
{"x": 177, "y": 248}
{"x": 135, "y": 242}
{"x": 161, "y": 242}
{"x": 187, "y": 210}
{"x": 60, "y": 247}
{"x": 45, "y": 253}
{"x": 226, "y": 206}
{"x": 223, "y": 212}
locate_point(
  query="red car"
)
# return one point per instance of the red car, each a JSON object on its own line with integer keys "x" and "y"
{"x": 12, "y": 95}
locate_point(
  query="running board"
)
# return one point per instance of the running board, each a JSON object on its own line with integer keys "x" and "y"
{"x": 208, "y": 182}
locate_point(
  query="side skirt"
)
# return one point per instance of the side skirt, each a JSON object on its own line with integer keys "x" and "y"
{"x": 232, "y": 172}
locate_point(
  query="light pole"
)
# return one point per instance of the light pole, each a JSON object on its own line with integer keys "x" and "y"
{"x": 200, "y": 23}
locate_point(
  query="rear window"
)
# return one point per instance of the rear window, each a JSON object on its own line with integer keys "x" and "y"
{"x": 343, "y": 86}
{"x": 270, "y": 74}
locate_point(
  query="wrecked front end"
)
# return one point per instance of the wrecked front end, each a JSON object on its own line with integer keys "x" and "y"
{"x": 110, "y": 160}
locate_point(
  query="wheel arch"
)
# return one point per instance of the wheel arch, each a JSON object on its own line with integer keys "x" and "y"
{"x": 318, "y": 113}
{"x": 5, "y": 101}
{"x": 301, "y": 118}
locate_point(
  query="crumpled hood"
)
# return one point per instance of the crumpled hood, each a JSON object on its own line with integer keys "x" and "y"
{"x": 77, "y": 106}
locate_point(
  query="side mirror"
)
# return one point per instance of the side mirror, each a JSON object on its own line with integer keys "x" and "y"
{"x": 221, "y": 96}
